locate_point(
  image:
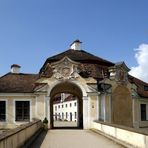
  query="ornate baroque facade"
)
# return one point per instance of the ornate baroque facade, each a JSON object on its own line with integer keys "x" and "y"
{"x": 105, "y": 91}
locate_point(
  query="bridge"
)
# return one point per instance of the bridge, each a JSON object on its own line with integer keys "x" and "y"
{"x": 73, "y": 139}
{"x": 32, "y": 135}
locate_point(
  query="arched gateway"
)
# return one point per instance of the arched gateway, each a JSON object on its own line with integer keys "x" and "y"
{"x": 73, "y": 73}
{"x": 70, "y": 88}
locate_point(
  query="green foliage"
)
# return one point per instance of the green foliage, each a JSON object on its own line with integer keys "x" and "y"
{"x": 45, "y": 120}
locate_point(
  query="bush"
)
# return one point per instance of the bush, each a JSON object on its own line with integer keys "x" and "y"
{"x": 45, "y": 121}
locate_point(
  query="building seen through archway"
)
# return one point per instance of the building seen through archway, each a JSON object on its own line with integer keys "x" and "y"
{"x": 65, "y": 110}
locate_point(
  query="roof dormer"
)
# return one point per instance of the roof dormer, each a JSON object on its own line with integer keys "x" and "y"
{"x": 119, "y": 72}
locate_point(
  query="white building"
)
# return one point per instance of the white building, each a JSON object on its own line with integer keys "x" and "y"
{"x": 65, "y": 108}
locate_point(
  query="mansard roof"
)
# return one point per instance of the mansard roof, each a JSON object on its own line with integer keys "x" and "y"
{"x": 17, "y": 83}
{"x": 79, "y": 56}
{"x": 89, "y": 61}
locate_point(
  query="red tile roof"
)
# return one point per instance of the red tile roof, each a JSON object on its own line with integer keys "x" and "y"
{"x": 140, "y": 86}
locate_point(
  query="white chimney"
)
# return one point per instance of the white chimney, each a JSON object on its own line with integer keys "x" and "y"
{"x": 15, "y": 68}
{"x": 76, "y": 45}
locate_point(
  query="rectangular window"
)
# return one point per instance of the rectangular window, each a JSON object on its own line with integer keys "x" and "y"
{"x": 75, "y": 104}
{"x": 22, "y": 110}
{"x": 62, "y": 115}
{"x": 75, "y": 115}
{"x": 65, "y": 105}
{"x": 59, "y": 116}
{"x": 62, "y": 105}
{"x": 58, "y": 106}
{"x": 70, "y": 116}
{"x": 143, "y": 112}
{"x": 2, "y": 110}
{"x": 66, "y": 115}
{"x": 145, "y": 88}
{"x": 70, "y": 104}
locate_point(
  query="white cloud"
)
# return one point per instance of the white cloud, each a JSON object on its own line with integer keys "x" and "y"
{"x": 141, "y": 55}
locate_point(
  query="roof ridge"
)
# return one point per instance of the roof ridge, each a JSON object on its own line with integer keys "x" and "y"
{"x": 5, "y": 75}
{"x": 85, "y": 52}
{"x": 9, "y": 73}
{"x": 59, "y": 54}
{"x": 97, "y": 57}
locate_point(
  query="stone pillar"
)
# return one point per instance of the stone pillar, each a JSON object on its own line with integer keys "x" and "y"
{"x": 41, "y": 107}
{"x": 110, "y": 109}
{"x": 98, "y": 107}
{"x": 93, "y": 111}
{"x": 107, "y": 108}
{"x": 136, "y": 114}
{"x": 85, "y": 112}
{"x": 102, "y": 109}
{"x": 47, "y": 109}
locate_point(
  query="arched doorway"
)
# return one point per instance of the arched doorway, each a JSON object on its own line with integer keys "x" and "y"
{"x": 72, "y": 91}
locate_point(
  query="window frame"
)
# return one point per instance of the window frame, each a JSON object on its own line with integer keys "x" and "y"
{"x": 75, "y": 104}
{"x": 55, "y": 107}
{"x": 145, "y": 88}
{"x": 75, "y": 115}
{"x": 142, "y": 119}
{"x": 6, "y": 105}
{"x": 30, "y": 108}
{"x": 66, "y": 114}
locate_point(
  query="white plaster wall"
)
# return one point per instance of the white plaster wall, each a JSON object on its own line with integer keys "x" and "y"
{"x": 65, "y": 109}
{"x": 41, "y": 106}
{"x": 10, "y": 110}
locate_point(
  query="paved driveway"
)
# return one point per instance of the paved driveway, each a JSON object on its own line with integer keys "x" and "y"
{"x": 76, "y": 139}
{"x": 65, "y": 124}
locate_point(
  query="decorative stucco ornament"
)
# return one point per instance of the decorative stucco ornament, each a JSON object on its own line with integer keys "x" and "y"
{"x": 119, "y": 73}
{"x": 65, "y": 69}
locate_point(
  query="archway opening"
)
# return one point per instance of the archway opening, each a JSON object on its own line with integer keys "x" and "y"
{"x": 66, "y": 106}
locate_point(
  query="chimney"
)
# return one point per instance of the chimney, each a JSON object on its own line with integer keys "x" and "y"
{"x": 76, "y": 45}
{"x": 15, "y": 68}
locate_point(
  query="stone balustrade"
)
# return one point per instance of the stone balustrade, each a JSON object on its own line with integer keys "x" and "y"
{"x": 19, "y": 136}
{"x": 126, "y": 136}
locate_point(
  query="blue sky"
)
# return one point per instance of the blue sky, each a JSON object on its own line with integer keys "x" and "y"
{"x": 33, "y": 30}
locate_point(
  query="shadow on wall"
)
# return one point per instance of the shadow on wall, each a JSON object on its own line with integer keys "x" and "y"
{"x": 39, "y": 140}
